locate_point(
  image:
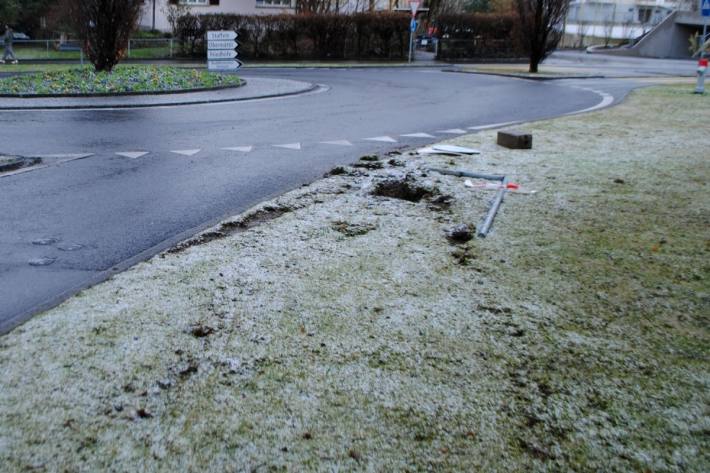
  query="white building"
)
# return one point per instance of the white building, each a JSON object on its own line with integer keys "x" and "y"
{"x": 155, "y": 12}
{"x": 615, "y": 19}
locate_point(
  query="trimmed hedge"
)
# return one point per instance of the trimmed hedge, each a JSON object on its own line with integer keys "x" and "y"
{"x": 479, "y": 35}
{"x": 327, "y": 36}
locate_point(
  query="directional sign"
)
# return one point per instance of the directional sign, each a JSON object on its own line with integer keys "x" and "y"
{"x": 221, "y": 54}
{"x": 222, "y": 44}
{"x": 221, "y": 35}
{"x": 413, "y": 25}
{"x": 231, "y": 65}
{"x": 705, "y": 7}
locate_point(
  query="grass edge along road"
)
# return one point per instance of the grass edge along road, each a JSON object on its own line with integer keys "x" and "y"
{"x": 333, "y": 328}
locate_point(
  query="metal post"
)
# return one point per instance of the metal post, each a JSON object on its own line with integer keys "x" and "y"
{"x": 129, "y": 48}
{"x": 700, "y": 88}
{"x": 47, "y": 49}
{"x": 411, "y": 35}
{"x": 171, "y": 47}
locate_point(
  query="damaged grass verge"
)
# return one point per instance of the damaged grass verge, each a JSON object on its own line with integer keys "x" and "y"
{"x": 360, "y": 332}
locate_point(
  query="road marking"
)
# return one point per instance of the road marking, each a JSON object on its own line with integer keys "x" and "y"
{"x": 337, "y": 143}
{"x": 132, "y": 154}
{"x": 293, "y": 146}
{"x": 606, "y": 100}
{"x": 453, "y": 131}
{"x": 186, "y": 152}
{"x": 384, "y": 139}
{"x": 492, "y": 125}
{"x": 241, "y": 149}
{"x": 418, "y": 135}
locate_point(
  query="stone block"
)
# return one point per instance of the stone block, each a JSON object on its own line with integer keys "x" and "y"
{"x": 514, "y": 139}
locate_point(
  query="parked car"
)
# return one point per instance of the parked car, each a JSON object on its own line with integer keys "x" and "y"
{"x": 20, "y": 36}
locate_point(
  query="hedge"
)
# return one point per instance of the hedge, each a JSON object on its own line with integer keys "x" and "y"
{"x": 325, "y": 36}
{"x": 479, "y": 35}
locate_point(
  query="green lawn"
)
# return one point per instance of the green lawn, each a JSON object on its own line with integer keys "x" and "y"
{"x": 33, "y": 52}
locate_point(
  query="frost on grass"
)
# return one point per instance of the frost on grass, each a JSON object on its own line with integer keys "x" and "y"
{"x": 348, "y": 333}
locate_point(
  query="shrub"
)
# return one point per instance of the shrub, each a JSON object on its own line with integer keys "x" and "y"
{"x": 105, "y": 27}
{"x": 308, "y": 36}
{"x": 479, "y": 35}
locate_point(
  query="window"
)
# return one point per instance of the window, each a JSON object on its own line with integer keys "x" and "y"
{"x": 274, "y": 3}
{"x": 199, "y": 2}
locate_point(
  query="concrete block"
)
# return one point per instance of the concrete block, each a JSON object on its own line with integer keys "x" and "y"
{"x": 514, "y": 139}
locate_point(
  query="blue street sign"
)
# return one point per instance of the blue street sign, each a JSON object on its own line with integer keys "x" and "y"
{"x": 413, "y": 24}
{"x": 705, "y": 7}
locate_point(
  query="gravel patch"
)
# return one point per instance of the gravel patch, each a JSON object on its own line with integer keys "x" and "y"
{"x": 342, "y": 328}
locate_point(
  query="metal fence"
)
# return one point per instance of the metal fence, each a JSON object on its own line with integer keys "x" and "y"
{"x": 478, "y": 48}
{"x": 70, "y": 49}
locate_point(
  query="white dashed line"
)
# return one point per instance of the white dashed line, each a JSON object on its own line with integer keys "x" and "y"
{"x": 241, "y": 149}
{"x": 186, "y": 152}
{"x": 132, "y": 154}
{"x": 293, "y": 146}
{"x": 337, "y": 143}
{"x": 418, "y": 135}
{"x": 453, "y": 131}
{"x": 492, "y": 125}
{"x": 384, "y": 139}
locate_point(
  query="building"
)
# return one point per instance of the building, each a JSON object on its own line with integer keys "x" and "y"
{"x": 648, "y": 28}
{"x": 155, "y": 13}
{"x": 595, "y": 21}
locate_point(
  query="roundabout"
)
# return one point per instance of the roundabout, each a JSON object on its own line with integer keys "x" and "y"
{"x": 123, "y": 178}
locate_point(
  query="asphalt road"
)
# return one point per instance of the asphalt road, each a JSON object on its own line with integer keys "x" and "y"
{"x": 92, "y": 217}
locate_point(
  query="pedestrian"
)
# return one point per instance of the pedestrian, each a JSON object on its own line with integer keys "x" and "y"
{"x": 9, "y": 54}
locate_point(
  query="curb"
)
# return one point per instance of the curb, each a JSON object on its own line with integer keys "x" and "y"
{"x": 17, "y": 162}
{"x": 242, "y": 83}
{"x": 525, "y": 76}
{"x": 305, "y": 90}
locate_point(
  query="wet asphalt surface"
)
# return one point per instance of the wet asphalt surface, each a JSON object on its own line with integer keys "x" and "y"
{"x": 70, "y": 225}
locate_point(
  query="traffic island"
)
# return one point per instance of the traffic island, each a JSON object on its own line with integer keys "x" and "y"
{"x": 123, "y": 80}
{"x": 340, "y": 327}
{"x": 14, "y": 163}
{"x": 257, "y": 88}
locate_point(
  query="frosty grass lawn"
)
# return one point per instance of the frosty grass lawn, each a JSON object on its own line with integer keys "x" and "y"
{"x": 345, "y": 333}
{"x": 123, "y": 79}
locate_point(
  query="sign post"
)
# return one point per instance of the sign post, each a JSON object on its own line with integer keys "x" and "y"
{"x": 221, "y": 51}
{"x": 414, "y": 5}
{"x": 703, "y": 63}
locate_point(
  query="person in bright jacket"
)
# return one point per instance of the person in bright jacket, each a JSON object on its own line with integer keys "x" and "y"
{"x": 9, "y": 54}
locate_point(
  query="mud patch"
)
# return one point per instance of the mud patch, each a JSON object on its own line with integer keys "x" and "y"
{"x": 352, "y": 229}
{"x": 248, "y": 221}
{"x": 406, "y": 188}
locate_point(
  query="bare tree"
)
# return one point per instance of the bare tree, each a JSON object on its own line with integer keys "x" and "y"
{"x": 317, "y": 6}
{"x": 173, "y": 11}
{"x": 608, "y": 26}
{"x": 105, "y": 26}
{"x": 541, "y": 27}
